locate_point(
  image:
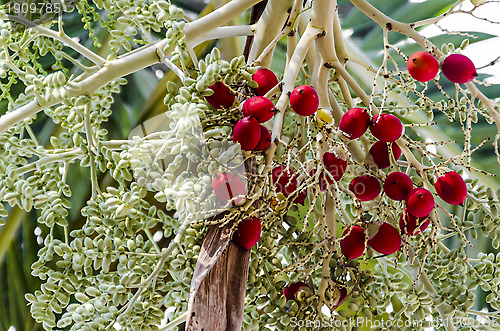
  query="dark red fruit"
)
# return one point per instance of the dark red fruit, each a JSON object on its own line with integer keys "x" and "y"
{"x": 259, "y": 107}
{"x": 423, "y": 66}
{"x": 301, "y": 197}
{"x": 247, "y": 132}
{"x": 398, "y": 185}
{"x": 343, "y": 295}
{"x": 266, "y": 80}
{"x": 420, "y": 202}
{"x": 292, "y": 289}
{"x": 380, "y": 153}
{"x": 227, "y": 186}
{"x": 304, "y": 100}
{"x": 387, "y": 239}
{"x": 248, "y": 232}
{"x": 451, "y": 188}
{"x": 409, "y": 223}
{"x": 458, "y": 68}
{"x": 334, "y": 165}
{"x": 365, "y": 188}
{"x": 284, "y": 180}
{"x": 386, "y": 127}
{"x": 265, "y": 139}
{"x": 355, "y": 122}
{"x": 353, "y": 244}
{"x": 222, "y": 97}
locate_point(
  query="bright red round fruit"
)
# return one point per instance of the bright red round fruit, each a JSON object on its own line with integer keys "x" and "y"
{"x": 365, "y": 188}
{"x": 334, "y": 165}
{"x": 409, "y": 223}
{"x": 265, "y": 139}
{"x": 451, "y": 188}
{"x": 353, "y": 244}
{"x": 354, "y": 122}
{"x": 458, "y": 68}
{"x": 397, "y": 185}
{"x": 380, "y": 153}
{"x": 387, "y": 239}
{"x": 423, "y": 66}
{"x": 266, "y": 79}
{"x": 420, "y": 202}
{"x": 386, "y": 127}
{"x": 259, "y": 107}
{"x": 227, "y": 186}
{"x": 284, "y": 180}
{"x": 304, "y": 100}
{"x": 247, "y": 132}
{"x": 222, "y": 97}
{"x": 292, "y": 289}
{"x": 248, "y": 232}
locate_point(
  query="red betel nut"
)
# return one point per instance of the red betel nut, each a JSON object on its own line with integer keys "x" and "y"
{"x": 248, "y": 232}
{"x": 409, "y": 223}
{"x": 265, "y": 139}
{"x": 266, "y": 80}
{"x": 451, "y": 188}
{"x": 397, "y": 185}
{"x": 423, "y": 66}
{"x": 365, "y": 188}
{"x": 458, "y": 68}
{"x": 259, "y": 107}
{"x": 292, "y": 289}
{"x": 353, "y": 244}
{"x": 247, "y": 132}
{"x": 420, "y": 202}
{"x": 387, "y": 239}
{"x": 334, "y": 165}
{"x": 379, "y": 153}
{"x": 304, "y": 100}
{"x": 386, "y": 127}
{"x": 227, "y": 186}
{"x": 222, "y": 97}
{"x": 354, "y": 122}
{"x": 284, "y": 180}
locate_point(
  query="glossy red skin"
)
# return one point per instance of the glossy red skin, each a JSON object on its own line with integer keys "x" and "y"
{"x": 388, "y": 128}
{"x": 247, "y": 132}
{"x": 248, "y": 232}
{"x": 423, "y": 66}
{"x": 266, "y": 79}
{"x": 284, "y": 180}
{"x": 458, "y": 68}
{"x": 259, "y": 107}
{"x": 334, "y": 165}
{"x": 365, "y": 188}
{"x": 227, "y": 186}
{"x": 408, "y": 223}
{"x": 265, "y": 139}
{"x": 451, "y": 188}
{"x": 292, "y": 289}
{"x": 387, "y": 240}
{"x": 353, "y": 244}
{"x": 397, "y": 185}
{"x": 354, "y": 122}
{"x": 380, "y": 153}
{"x": 420, "y": 202}
{"x": 222, "y": 97}
{"x": 304, "y": 100}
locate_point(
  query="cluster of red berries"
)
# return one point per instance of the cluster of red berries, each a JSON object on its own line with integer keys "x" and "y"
{"x": 458, "y": 68}
{"x": 249, "y": 131}
{"x": 419, "y": 202}
{"x": 387, "y": 128}
{"x": 291, "y": 292}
